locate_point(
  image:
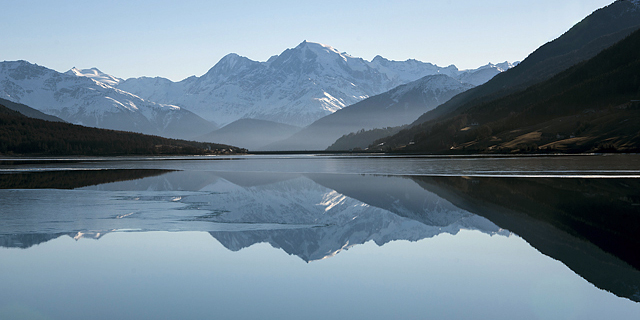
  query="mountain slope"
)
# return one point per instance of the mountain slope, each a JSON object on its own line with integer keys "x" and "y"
{"x": 20, "y": 134}
{"x": 82, "y": 100}
{"x": 250, "y": 134}
{"x": 593, "y": 106}
{"x": 297, "y": 87}
{"x": 396, "y": 107}
{"x": 28, "y": 111}
{"x": 598, "y": 31}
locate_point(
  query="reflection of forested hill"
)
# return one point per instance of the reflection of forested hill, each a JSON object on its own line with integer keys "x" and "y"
{"x": 591, "y": 225}
{"x": 72, "y": 179}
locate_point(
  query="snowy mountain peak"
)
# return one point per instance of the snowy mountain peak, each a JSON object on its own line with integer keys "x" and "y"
{"x": 312, "y": 57}
{"x": 231, "y": 64}
{"x": 95, "y": 74}
{"x": 318, "y": 48}
{"x": 502, "y": 67}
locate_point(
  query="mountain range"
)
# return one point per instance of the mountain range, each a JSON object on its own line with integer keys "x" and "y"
{"x": 297, "y": 87}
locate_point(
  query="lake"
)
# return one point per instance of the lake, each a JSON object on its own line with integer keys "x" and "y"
{"x": 321, "y": 237}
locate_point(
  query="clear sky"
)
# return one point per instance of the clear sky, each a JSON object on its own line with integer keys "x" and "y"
{"x": 177, "y": 39}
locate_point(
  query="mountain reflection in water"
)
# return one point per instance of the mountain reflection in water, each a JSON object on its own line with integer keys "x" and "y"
{"x": 591, "y": 225}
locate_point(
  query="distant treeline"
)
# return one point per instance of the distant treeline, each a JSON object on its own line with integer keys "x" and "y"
{"x": 20, "y": 135}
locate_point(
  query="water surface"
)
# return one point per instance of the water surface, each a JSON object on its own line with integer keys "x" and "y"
{"x": 280, "y": 237}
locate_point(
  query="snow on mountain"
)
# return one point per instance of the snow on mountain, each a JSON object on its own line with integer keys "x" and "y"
{"x": 95, "y": 74}
{"x": 297, "y": 87}
{"x": 84, "y": 97}
{"x": 483, "y": 74}
{"x": 410, "y": 70}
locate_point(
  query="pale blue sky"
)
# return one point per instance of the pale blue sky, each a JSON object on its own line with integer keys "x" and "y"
{"x": 177, "y": 39}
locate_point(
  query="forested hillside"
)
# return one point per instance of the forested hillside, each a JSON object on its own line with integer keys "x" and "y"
{"x": 21, "y": 135}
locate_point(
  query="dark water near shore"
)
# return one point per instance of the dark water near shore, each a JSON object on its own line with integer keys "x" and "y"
{"x": 321, "y": 237}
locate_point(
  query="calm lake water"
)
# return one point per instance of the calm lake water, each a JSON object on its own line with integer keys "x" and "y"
{"x": 321, "y": 237}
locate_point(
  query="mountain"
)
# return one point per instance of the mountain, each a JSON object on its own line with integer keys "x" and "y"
{"x": 297, "y": 87}
{"x": 591, "y": 107}
{"x": 396, "y": 107}
{"x": 586, "y": 39}
{"x": 250, "y": 134}
{"x": 86, "y": 101}
{"x": 28, "y": 111}
{"x": 602, "y": 29}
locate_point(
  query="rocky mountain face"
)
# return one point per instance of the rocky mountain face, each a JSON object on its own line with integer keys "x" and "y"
{"x": 92, "y": 102}
{"x": 297, "y": 87}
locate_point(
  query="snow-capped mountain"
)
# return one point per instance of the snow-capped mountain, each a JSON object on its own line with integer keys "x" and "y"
{"x": 95, "y": 74}
{"x": 84, "y": 97}
{"x": 297, "y": 87}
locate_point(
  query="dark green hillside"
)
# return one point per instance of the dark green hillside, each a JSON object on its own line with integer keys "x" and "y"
{"x": 583, "y": 41}
{"x": 590, "y": 107}
{"x": 27, "y": 136}
{"x": 28, "y": 111}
